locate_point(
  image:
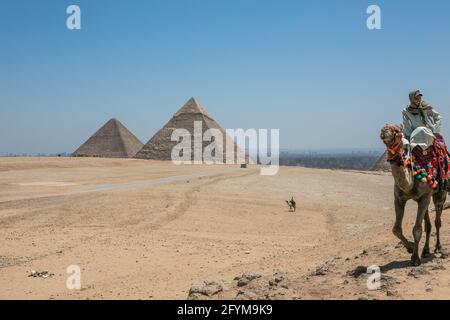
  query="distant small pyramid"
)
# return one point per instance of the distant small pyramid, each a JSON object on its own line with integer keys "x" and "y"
{"x": 112, "y": 140}
{"x": 160, "y": 146}
{"x": 382, "y": 164}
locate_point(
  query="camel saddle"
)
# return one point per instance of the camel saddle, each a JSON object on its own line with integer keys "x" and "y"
{"x": 429, "y": 158}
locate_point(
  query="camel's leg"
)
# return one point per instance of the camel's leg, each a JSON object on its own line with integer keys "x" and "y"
{"x": 424, "y": 202}
{"x": 426, "y": 248}
{"x": 397, "y": 230}
{"x": 439, "y": 200}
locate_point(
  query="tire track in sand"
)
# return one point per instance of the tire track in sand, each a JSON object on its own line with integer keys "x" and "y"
{"x": 190, "y": 197}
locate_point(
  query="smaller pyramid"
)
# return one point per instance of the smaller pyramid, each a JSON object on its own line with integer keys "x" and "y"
{"x": 113, "y": 140}
{"x": 382, "y": 164}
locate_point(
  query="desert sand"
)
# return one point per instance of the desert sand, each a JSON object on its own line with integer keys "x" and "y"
{"x": 150, "y": 230}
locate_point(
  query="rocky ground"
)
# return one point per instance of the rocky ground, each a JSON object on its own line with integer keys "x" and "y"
{"x": 152, "y": 230}
{"x": 339, "y": 279}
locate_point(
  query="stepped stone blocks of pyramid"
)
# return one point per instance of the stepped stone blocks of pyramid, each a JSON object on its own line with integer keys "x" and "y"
{"x": 113, "y": 140}
{"x": 382, "y": 164}
{"x": 160, "y": 146}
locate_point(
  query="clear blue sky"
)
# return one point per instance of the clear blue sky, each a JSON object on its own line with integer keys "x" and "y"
{"x": 310, "y": 68}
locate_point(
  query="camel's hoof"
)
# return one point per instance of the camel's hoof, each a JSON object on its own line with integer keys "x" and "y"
{"x": 410, "y": 247}
{"x": 415, "y": 262}
{"x": 426, "y": 253}
{"x": 438, "y": 249}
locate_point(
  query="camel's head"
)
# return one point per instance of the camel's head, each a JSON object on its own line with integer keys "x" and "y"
{"x": 391, "y": 135}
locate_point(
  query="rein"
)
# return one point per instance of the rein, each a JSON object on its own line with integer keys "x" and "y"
{"x": 395, "y": 149}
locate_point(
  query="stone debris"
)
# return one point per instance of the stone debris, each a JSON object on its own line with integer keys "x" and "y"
{"x": 357, "y": 272}
{"x": 243, "y": 282}
{"x": 276, "y": 279}
{"x": 417, "y": 271}
{"x": 391, "y": 293}
{"x": 205, "y": 289}
{"x": 323, "y": 269}
{"x": 245, "y": 278}
{"x": 246, "y": 295}
{"x": 438, "y": 266}
{"x": 387, "y": 282}
{"x": 320, "y": 271}
{"x": 40, "y": 274}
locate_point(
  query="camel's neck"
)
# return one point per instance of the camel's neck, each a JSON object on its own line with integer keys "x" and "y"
{"x": 403, "y": 178}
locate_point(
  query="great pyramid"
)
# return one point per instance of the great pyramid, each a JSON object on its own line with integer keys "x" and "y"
{"x": 382, "y": 164}
{"x": 112, "y": 140}
{"x": 160, "y": 146}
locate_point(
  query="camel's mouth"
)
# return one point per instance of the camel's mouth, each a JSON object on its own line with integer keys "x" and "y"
{"x": 387, "y": 142}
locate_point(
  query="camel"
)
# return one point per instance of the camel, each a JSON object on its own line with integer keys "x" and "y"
{"x": 407, "y": 188}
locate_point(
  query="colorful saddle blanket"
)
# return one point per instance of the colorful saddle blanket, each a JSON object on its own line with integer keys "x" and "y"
{"x": 431, "y": 165}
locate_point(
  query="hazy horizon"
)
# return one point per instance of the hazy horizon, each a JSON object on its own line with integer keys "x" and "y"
{"x": 285, "y": 150}
{"x": 312, "y": 70}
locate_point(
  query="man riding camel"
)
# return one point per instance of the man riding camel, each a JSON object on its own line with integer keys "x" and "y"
{"x": 422, "y": 125}
{"x": 420, "y": 114}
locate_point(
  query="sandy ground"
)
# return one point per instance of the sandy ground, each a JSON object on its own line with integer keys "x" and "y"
{"x": 150, "y": 230}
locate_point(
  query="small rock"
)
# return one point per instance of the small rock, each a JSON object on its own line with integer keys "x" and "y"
{"x": 390, "y": 293}
{"x": 251, "y": 275}
{"x": 438, "y": 266}
{"x": 246, "y": 277}
{"x": 207, "y": 288}
{"x": 278, "y": 277}
{"x": 387, "y": 282}
{"x": 40, "y": 274}
{"x": 417, "y": 271}
{"x": 320, "y": 271}
{"x": 243, "y": 282}
{"x": 357, "y": 272}
{"x": 363, "y": 298}
{"x": 246, "y": 295}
